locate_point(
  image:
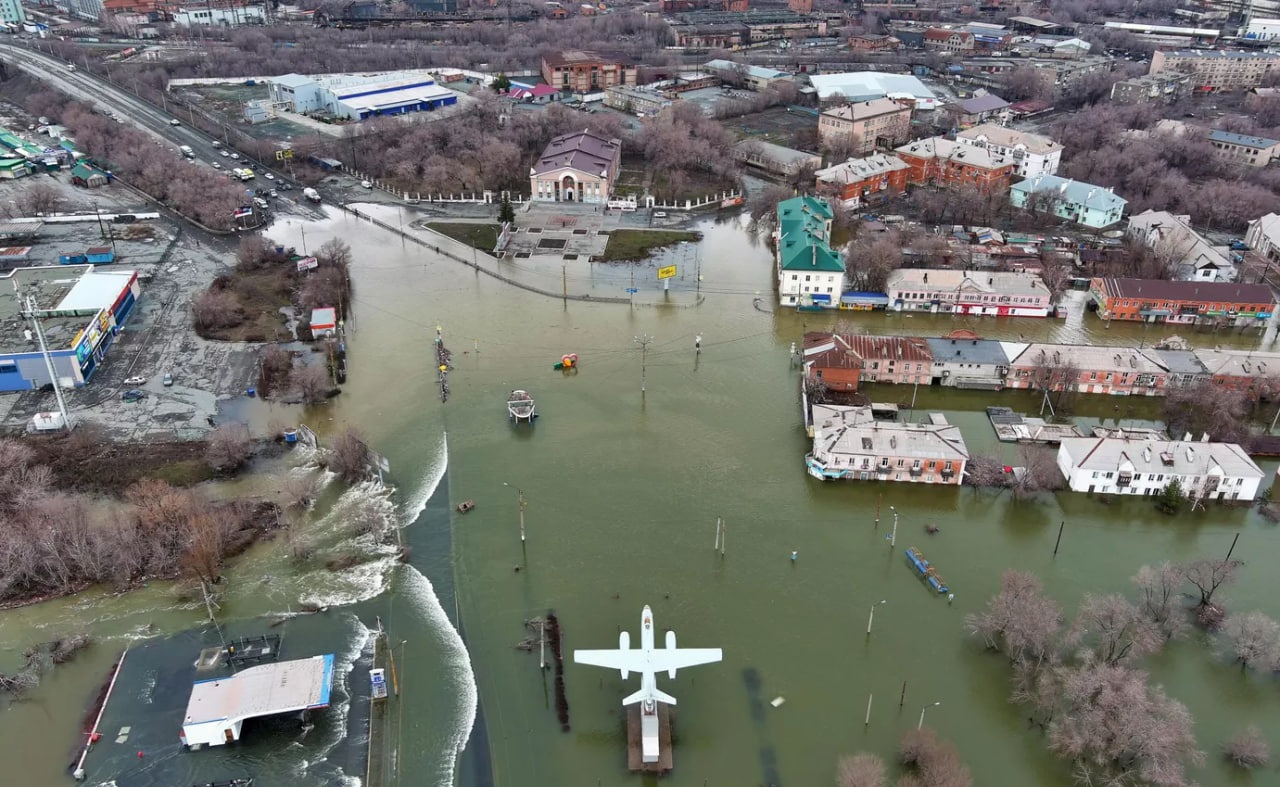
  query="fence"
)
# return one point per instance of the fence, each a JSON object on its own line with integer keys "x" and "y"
{"x": 732, "y": 196}
{"x": 478, "y": 268}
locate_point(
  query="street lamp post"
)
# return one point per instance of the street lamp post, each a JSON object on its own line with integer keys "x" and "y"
{"x": 920, "y": 723}
{"x": 893, "y": 537}
{"x": 520, "y": 493}
{"x": 871, "y": 616}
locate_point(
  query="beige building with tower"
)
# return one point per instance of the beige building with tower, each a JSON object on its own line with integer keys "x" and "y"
{"x": 579, "y": 167}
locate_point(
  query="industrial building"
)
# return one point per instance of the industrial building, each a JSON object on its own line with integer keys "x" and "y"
{"x": 360, "y": 96}
{"x": 80, "y": 309}
{"x": 218, "y": 707}
{"x": 870, "y": 85}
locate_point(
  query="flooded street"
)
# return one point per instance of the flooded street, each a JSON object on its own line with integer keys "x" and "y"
{"x": 623, "y": 492}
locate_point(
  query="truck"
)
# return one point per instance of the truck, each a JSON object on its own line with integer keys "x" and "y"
{"x": 244, "y": 173}
{"x": 311, "y": 194}
{"x": 186, "y": 151}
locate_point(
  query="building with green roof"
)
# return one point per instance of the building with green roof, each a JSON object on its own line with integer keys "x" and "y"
{"x": 810, "y": 272}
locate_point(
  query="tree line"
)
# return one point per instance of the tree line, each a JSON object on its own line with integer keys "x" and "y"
{"x": 1081, "y": 683}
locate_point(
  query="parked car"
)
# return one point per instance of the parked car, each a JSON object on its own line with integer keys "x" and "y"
{"x": 168, "y": 379}
{"x": 136, "y": 381}
{"x": 235, "y": 156}
{"x": 268, "y": 176}
{"x": 133, "y": 395}
{"x": 224, "y": 154}
{"x": 286, "y": 187}
{"x": 659, "y": 214}
{"x": 366, "y": 184}
{"x": 174, "y": 122}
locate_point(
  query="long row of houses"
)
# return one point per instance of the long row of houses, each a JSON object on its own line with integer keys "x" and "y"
{"x": 842, "y": 362}
{"x": 850, "y": 444}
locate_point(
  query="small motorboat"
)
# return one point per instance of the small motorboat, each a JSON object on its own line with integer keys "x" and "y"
{"x": 465, "y": 506}
{"x": 520, "y": 406}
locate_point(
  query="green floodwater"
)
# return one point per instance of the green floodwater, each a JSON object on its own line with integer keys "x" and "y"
{"x": 623, "y": 493}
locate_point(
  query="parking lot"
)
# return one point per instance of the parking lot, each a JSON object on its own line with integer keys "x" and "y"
{"x": 157, "y": 339}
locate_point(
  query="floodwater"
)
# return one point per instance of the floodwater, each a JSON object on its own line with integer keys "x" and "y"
{"x": 624, "y": 488}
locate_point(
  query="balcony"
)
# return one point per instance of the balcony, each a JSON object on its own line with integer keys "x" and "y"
{"x": 917, "y": 471}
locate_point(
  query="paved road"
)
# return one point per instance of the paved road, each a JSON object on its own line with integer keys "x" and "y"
{"x": 97, "y": 92}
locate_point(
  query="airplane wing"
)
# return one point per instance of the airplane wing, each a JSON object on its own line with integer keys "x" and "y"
{"x": 665, "y": 659}
{"x": 624, "y": 660}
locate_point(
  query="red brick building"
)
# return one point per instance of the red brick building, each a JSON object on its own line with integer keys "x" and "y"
{"x": 937, "y": 39}
{"x": 736, "y": 6}
{"x": 871, "y": 42}
{"x": 581, "y": 71}
{"x": 864, "y": 181}
{"x": 842, "y": 361}
{"x": 801, "y": 6}
{"x": 945, "y": 164}
{"x": 1155, "y": 300}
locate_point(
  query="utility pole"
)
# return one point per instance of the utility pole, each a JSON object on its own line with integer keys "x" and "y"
{"x": 48, "y": 362}
{"x": 643, "y": 341}
{"x": 564, "y": 282}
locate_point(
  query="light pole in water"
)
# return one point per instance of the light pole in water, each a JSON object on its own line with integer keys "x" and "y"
{"x": 920, "y": 723}
{"x": 872, "y": 615}
{"x": 893, "y": 538}
{"x": 520, "y": 496}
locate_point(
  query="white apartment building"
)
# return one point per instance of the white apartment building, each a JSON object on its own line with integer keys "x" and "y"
{"x": 230, "y": 16}
{"x": 866, "y": 124}
{"x": 1120, "y": 466}
{"x": 1032, "y": 154}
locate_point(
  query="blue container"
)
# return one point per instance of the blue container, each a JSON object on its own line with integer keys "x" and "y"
{"x": 291, "y": 435}
{"x": 251, "y": 392}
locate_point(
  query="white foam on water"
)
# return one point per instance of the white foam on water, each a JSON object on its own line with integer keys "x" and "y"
{"x": 417, "y": 502}
{"x": 456, "y": 668}
{"x": 359, "y": 643}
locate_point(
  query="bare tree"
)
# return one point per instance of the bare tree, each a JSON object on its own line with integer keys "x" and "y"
{"x": 861, "y": 770}
{"x": 1039, "y": 472}
{"x": 985, "y": 471}
{"x": 1253, "y": 639}
{"x": 1158, "y": 588}
{"x": 349, "y": 457}
{"x": 1020, "y": 621}
{"x": 1247, "y": 749}
{"x": 1114, "y": 629}
{"x": 39, "y": 199}
{"x": 215, "y": 309}
{"x": 1207, "y": 575}
{"x": 229, "y": 446}
{"x": 1203, "y": 408}
{"x": 206, "y": 543}
{"x": 312, "y": 383}
{"x": 1118, "y": 730}
{"x": 931, "y": 762}
{"x": 871, "y": 258}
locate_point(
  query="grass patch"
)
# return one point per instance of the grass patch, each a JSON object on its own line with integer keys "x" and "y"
{"x": 106, "y": 467}
{"x": 478, "y": 236}
{"x": 638, "y": 244}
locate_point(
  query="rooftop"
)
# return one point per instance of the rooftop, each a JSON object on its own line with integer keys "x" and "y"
{"x": 948, "y": 280}
{"x": 1179, "y": 361}
{"x": 1238, "y": 363}
{"x": 943, "y": 148}
{"x": 1005, "y": 137}
{"x": 570, "y": 57}
{"x": 988, "y": 103}
{"x": 865, "y": 85}
{"x": 759, "y": 72}
{"x": 264, "y": 690}
{"x": 1221, "y": 54}
{"x": 843, "y": 350}
{"x": 863, "y": 110}
{"x": 1075, "y": 192}
{"x": 979, "y": 351}
{"x": 581, "y": 150}
{"x": 66, "y": 295}
{"x": 844, "y": 432}
{"x": 1160, "y": 290}
{"x": 778, "y": 153}
{"x": 1090, "y": 358}
{"x": 1242, "y": 140}
{"x": 859, "y": 169}
{"x": 1170, "y": 457}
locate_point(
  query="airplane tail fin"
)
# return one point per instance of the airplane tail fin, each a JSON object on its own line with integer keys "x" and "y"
{"x": 649, "y": 694}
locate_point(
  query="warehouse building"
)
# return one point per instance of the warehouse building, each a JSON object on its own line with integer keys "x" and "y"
{"x": 81, "y": 310}
{"x": 360, "y": 96}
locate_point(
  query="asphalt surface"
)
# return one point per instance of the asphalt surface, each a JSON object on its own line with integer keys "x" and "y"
{"x": 97, "y": 92}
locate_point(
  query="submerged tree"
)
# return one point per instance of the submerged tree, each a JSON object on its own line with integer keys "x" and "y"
{"x": 1114, "y": 629}
{"x": 861, "y": 770}
{"x": 1247, "y": 749}
{"x": 1020, "y": 621}
{"x": 1159, "y": 589}
{"x": 1253, "y": 639}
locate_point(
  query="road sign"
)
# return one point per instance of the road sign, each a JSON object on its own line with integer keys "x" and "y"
{"x": 281, "y": 155}
{"x": 666, "y": 272}
{"x": 632, "y": 290}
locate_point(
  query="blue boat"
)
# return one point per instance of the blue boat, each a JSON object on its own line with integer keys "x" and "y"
{"x": 930, "y": 574}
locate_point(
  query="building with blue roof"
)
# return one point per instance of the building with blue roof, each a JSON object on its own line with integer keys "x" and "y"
{"x": 810, "y": 272}
{"x": 755, "y": 77}
{"x": 1244, "y": 149}
{"x": 1073, "y": 200}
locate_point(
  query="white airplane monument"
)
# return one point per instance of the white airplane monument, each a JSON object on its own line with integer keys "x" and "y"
{"x": 648, "y": 661}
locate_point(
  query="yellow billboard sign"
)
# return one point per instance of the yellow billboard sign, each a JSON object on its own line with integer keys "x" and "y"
{"x": 666, "y": 272}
